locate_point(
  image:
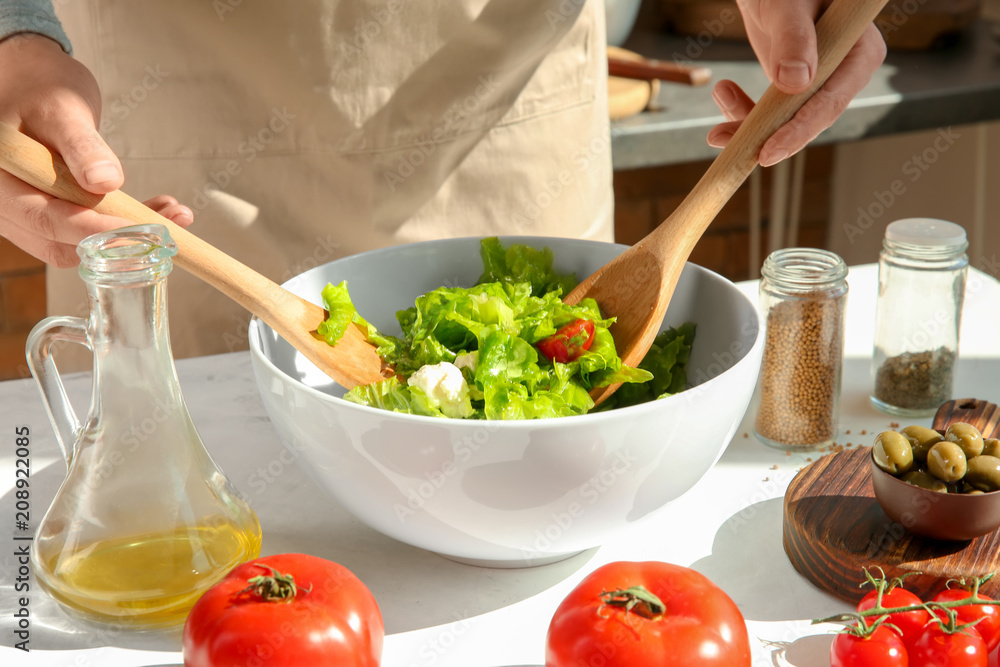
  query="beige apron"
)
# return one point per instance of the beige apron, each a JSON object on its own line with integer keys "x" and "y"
{"x": 303, "y": 131}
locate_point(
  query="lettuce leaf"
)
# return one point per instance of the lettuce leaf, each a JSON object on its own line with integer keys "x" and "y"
{"x": 521, "y": 263}
{"x": 666, "y": 362}
{"x": 499, "y": 320}
{"x": 392, "y": 394}
{"x": 340, "y": 312}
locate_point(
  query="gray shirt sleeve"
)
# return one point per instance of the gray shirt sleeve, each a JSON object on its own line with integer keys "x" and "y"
{"x": 32, "y": 16}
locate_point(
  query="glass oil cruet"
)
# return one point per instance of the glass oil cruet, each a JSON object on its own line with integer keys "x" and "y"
{"x": 144, "y": 521}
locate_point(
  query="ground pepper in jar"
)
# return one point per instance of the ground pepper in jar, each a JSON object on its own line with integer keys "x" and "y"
{"x": 922, "y": 273}
{"x": 916, "y": 380}
{"x": 803, "y": 292}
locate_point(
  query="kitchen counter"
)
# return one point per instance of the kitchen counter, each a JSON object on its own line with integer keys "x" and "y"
{"x": 439, "y": 612}
{"x": 910, "y": 92}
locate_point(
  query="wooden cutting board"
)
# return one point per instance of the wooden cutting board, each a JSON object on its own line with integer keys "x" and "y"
{"x": 833, "y": 527}
{"x": 627, "y": 97}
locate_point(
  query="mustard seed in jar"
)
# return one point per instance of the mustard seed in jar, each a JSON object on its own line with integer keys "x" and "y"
{"x": 803, "y": 292}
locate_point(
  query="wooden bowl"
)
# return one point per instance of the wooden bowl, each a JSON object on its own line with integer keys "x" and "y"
{"x": 833, "y": 527}
{"x": 942, "y": 516}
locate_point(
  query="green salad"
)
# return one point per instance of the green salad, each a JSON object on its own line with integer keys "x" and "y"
{"x": 507, "y": 347}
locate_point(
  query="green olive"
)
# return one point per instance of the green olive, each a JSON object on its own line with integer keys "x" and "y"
{"x": 967, "y": 437}
{"x": 892, "y": 453}
{"x": 984, "y": 473}
{"x": 991, "y": 447}
{"x": 925, "y": 480}
{"x": 946, "y": 461}
{"x": 921, "y": 438}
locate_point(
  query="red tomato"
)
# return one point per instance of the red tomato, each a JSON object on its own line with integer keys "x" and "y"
{"x": 910, "y": 623}
{"x": 328, "y": 617}
{"x": 882, "y": 648}
{"x": 611, "y": 620}
{"x": 569, "y": 342}
{"x": 989, "y": 627}
{"x": 935, "y": 647}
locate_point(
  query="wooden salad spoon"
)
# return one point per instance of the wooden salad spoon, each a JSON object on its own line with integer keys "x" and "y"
{"x": 351, "y": 362}
{"x": 636, "y": 286}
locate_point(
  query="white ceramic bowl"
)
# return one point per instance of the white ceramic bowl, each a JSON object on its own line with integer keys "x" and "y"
{"x": 620, "y": 16}
{"x": 507, "y": 494}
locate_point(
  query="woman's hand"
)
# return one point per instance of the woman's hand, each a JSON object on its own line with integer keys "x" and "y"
{"x": 54, "y": 99}
{"x": 783, "y": 35}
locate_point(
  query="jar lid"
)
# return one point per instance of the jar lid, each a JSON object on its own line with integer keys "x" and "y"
{"x": 926, "y": 232}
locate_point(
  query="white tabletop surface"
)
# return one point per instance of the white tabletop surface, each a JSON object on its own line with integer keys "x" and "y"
{"x": 438, "y": 612}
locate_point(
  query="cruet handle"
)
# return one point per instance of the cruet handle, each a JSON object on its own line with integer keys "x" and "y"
{"x": 38, "y": 352}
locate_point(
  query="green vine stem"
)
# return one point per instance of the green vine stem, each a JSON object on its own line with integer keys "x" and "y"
{"x": 949, "y": 624}
{"x": 883, "y": 586}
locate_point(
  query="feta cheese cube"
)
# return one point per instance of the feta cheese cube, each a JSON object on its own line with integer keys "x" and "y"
{"x": 445, "y": 387}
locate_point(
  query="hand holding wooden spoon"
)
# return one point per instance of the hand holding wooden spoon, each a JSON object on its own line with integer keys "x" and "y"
{"x": 636, "y": 286}
{"x": 351, "y": 362}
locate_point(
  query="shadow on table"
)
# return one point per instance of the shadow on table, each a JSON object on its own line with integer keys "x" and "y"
{"x": 811, "y": 651}
{"x": 763, "y": 581}
{"x": 766, "y": 586}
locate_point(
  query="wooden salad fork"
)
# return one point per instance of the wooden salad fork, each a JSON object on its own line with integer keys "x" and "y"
{"x": 351, "y": 362}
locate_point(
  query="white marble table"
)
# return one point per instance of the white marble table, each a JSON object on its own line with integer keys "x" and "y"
{"x": 442, "y": 613}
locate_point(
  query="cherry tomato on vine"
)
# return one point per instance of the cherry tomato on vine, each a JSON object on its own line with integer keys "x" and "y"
{"x": 989, "y": 627}
{"x": 936, "y": 647}
{"x": 910, "y": 623}
{"x": 627, "y": 614}
{"x": 568, "y": 342}
{"x": 882, "y": 648}
{"x": 282, "y": 611}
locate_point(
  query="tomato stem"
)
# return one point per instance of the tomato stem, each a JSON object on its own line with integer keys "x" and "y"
{"x": 274, "y": 588}
{"x": 883, "y": 585}
{"x": 635, "y": 599}
{"x": 949, "y": 625}
{"x": 879, "y": 610}
{"x": 863, "y": 629}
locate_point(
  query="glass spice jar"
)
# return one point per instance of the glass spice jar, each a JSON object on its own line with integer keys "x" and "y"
{"x": 803, "y": 292}
{"x": 921, "y": 286}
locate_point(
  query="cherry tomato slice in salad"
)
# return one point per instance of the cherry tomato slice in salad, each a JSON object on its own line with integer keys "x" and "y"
{"x": 568, "y": 342}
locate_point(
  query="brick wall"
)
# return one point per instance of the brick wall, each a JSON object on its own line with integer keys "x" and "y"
{"x": 22, "y": 305}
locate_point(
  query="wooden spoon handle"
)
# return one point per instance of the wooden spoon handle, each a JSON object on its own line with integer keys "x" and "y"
{"x": 837, "y": 31}
{"x": 351, "y": 362}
